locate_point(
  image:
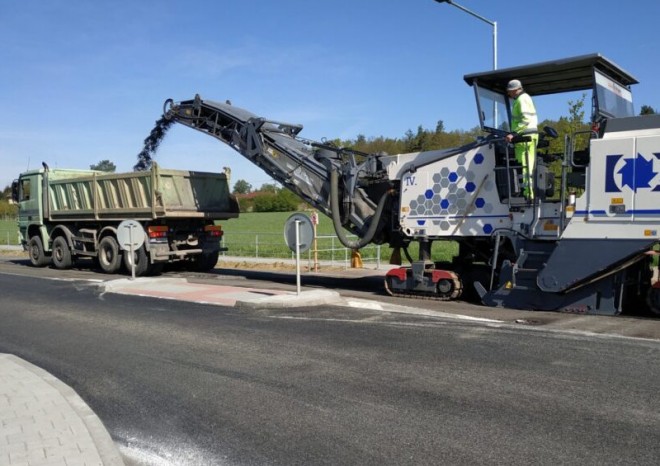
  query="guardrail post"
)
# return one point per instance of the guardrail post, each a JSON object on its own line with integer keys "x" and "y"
{"x": 378, "y": 257}
{"x": 309, "y": 261}
{"x": 332, "y": 249}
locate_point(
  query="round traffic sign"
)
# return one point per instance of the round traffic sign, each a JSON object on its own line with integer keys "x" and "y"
{"x": 306, "y": 232}
{"x": 130, "y": 232}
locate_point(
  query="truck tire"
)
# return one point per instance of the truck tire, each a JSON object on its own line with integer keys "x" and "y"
{"x": 155, "y": 269}
{"x": 109, "y": 255}
{"x": 141, "y": 261}
{"x": 205, "y": 262}
{"x": 38, "y": 256}
{"x": 61, "y": 253}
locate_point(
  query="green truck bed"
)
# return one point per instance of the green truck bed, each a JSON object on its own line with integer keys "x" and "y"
{"x": 157, "y": 193}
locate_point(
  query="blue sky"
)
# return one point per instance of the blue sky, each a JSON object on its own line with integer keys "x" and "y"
{"x": 83, "y": 81}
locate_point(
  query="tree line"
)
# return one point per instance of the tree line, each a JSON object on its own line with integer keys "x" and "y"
{"x": 268, "y": 198}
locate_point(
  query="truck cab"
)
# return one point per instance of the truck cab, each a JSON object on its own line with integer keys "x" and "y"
{"x": 27, "y": 194}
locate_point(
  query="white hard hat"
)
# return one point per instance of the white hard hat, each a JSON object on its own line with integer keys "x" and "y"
{"x": 513, "y": 85}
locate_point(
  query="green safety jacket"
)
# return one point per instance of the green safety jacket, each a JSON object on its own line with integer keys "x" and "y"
{"x": 523, "y": 115}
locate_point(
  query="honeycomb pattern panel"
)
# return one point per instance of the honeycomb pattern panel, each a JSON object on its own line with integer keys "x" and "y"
{"x": 451, "y": 195}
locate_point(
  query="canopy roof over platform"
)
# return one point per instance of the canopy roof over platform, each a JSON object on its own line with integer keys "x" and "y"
{"x": 551, "y": 77}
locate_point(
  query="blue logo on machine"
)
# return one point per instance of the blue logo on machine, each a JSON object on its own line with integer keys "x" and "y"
{"x": 634, "y": 173}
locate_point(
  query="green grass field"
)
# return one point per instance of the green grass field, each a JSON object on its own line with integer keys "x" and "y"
{"x": 270, "y": 222}
{"x": 8, "y": 232}
{"x": 261, "y": 234}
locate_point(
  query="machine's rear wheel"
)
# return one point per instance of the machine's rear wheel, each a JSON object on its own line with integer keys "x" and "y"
{"x": 393, "y": 286}
{"x": 38, "y": 256}
{"x": 445, "y": 288}
{"x": 653, "y": 300}
{"x": 61, "y": 253}
{"x": 449, "y": 288}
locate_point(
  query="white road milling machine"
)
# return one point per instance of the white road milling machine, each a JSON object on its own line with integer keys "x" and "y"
{"x": 583, "y": 243}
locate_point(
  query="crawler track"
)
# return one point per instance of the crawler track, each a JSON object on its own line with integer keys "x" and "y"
{"x": 446, "y": 290}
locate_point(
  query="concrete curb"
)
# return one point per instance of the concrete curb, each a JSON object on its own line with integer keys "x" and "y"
{"x": 251, "y": 299}
{"x": 248, "y": 299}
{"x": 113, "y": 284}
{"x": 11, "y": 247}
{"x": 97, "y": 431}
{"x": 305, "y": 298}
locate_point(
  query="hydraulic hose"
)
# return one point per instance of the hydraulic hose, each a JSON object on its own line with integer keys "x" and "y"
{"x": 407, "y": 253}
{"x": 336, "y": 221}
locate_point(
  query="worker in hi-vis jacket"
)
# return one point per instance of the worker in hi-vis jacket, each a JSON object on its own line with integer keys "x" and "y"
{"x": 524, "y": 122}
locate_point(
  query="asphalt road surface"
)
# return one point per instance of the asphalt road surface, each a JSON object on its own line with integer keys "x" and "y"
{"x": 365, "y": 284}
{"x": 180, "y": 383}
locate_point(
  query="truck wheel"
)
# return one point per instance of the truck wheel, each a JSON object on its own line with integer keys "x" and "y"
{"x": 109, "y": 255}
{"x": 205, "y": 262}
{"x": 38, "y": 256}
{"x": 61, "y": 253}
{"x": 155, "y": 269}
{"x": 141, "y": 261}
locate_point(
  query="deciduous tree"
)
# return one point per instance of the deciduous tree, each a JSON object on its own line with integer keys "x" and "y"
{"x": 242, "y": 187}
{"x": 647, "y": 110}
{"x": 104, "y": 166}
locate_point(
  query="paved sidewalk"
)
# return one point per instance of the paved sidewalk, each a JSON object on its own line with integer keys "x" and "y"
{"x": 43, "y": 422}
{"x": 209, "y": 292}
{"x": 181, "y": 289}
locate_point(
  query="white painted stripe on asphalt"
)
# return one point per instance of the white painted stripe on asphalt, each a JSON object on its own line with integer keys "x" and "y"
{"x": 373, "y": 305}
{"x": 92, "y": 280}
{"x": 376, "y": 306}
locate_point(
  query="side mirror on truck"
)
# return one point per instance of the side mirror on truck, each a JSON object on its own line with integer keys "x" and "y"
{"x": 14, "y": 191}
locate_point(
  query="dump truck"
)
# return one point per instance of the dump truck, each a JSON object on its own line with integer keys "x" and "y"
{"x": 583, "y": 243}
{"x": 68, "y": 214}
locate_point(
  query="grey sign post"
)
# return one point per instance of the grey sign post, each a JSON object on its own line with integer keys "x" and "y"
{"x": 298, "y": 234}
{"x": 130, "y": 236}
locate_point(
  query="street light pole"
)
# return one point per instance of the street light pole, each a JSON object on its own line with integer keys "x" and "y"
{"x": 492, "y": 23}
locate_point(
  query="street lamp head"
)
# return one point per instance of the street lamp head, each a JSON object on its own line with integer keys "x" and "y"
{"x": 443, "y": 1}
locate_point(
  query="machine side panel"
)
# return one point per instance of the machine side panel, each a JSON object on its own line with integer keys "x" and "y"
{"x": 646, "y": 208}
{"x": 608, "y": 164}
{"x": 575, "y": 261}
{"x": 623, "y": 191}
{"x": 453, "y": 196}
